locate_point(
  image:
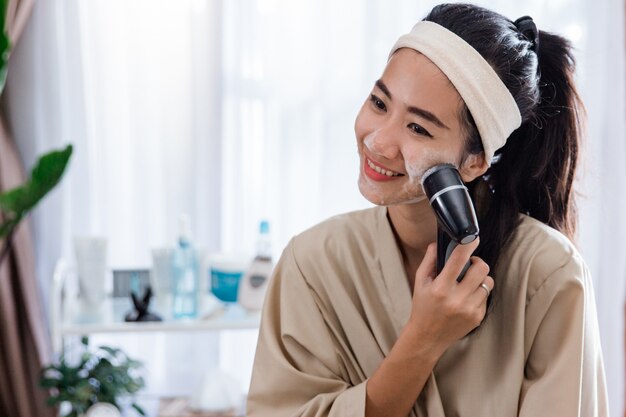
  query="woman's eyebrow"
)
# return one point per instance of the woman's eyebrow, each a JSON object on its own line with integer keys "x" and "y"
{"x": 380, "y": 84}
{"x": 425, "y": 114}
{"x": 428, "y": 116}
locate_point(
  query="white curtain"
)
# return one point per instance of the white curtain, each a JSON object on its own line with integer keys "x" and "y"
{"x": 602, "y": 78}
{"x": 239, "y": 110}
{"x": 134, "y": 87}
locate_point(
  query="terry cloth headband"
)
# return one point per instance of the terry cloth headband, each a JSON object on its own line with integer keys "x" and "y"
{"x": 489, "y": 101}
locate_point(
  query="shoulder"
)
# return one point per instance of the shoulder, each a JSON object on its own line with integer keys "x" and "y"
{"x": 539, "y": 254}
{"x": 338, "y": 230}
{"x": 337, "y": 244}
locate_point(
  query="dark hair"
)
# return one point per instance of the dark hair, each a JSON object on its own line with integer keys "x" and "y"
{"x": 533, "y": 173}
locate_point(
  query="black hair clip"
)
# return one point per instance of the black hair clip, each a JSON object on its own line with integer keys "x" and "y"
{"x": 526, "y": 26}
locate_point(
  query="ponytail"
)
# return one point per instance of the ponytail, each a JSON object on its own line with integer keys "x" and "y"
{"x": 534, "y": 172}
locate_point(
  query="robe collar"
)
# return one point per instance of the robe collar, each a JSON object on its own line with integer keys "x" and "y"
{"x": 394, "y": 276}
{"x": 393, "y": 272}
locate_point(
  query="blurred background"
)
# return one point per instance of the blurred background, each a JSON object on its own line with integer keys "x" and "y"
{"x": 235, "y": 111}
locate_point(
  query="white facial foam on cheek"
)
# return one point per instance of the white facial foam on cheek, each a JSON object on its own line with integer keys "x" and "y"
{"x": 416, "y": 169}
{"x": 369, "y": 141}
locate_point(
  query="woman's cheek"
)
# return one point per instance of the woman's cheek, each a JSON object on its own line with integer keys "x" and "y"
{"x": 369, "y": 141}
{"x": 360, "y": 122}
{"x": 417, "y": 163}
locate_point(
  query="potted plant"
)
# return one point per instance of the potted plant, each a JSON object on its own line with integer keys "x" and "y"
{"x": 102, "y": 375}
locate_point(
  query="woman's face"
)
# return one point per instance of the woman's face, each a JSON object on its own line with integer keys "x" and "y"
{"x": 409, "y": 123}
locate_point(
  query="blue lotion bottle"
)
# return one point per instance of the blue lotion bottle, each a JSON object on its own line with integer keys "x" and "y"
{"x": 185, "y": 277}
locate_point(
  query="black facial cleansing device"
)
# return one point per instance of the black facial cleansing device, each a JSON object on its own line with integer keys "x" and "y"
{"x": 456, "y": 218}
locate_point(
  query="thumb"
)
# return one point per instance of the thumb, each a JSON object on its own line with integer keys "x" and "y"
{"x": 428, "y": 267}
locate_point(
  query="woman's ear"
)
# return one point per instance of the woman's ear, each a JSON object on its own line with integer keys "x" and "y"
{"x": 473, "y": 166}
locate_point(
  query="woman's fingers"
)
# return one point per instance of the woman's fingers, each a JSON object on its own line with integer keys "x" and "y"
{"x": 456, "y": 262}
{"x": 481, "y": 292}
{"x": 474, "y": 275}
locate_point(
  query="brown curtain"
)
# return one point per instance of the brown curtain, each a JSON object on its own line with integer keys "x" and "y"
{"x": 24, "y": 341}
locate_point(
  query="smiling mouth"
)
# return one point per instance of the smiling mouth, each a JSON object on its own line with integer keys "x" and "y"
{"x": 382, "y": 170}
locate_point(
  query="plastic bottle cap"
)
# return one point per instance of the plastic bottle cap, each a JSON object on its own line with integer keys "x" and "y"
{"x": 184, "y": 227}
{"x": 264, "y": 227}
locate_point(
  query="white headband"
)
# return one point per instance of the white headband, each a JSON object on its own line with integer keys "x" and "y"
{"x": 489, "y": 101}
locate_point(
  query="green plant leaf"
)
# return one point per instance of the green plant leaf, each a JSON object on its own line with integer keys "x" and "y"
{"x": 84, "y": 390}
{"x": 17, "y": 199}
{"x": 45, "y": 175}
{"x": 53, "y": 400}
{"x": 111, "y": 351}
{"x": 5, "y": 45}
{"x": 139, "y": 409}
{"x": 48, "y": 171}
{"x": 49, "y": 383}
{"x": 132, "y": 363}
{"x": 9, "y": 224}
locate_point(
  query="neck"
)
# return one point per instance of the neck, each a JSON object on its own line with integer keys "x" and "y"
{"x": 415, "y": 226}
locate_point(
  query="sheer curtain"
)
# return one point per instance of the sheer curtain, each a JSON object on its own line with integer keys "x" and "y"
{"x": 300, "y": 72}
{"x": 243, "y": 109}
{"x": 135, "y": 87}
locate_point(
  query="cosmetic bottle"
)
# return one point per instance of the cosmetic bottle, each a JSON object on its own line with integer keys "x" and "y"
{"x": 254, "y": 283}
{"x": 184, "y": 272}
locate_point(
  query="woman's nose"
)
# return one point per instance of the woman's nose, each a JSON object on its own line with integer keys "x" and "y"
{"x": 382, "y": 143}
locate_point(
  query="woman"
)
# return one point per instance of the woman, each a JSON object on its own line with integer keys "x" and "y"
{"x": 358, "y": 323}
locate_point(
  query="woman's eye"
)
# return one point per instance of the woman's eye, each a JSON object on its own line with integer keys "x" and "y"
{"x": 419, "y": 130}
{"x": 378, "y": 102}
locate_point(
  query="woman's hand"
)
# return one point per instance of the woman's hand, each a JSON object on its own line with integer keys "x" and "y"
{"x": 445, "y": 310}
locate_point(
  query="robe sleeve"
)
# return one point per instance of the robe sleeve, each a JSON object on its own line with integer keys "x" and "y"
{"x": 564, "y": 373}
{"x": 297, "y": 368}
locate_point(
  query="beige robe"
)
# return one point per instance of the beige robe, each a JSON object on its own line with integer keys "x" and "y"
{"x": 340, "y": 296}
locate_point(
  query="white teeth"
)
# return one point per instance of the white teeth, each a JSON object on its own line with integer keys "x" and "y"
{"x": 381, "y": 170}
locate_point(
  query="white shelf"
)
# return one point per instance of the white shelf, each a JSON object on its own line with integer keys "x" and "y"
{"x": 71, "y": 316}
{"x": 108, "y": 317}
